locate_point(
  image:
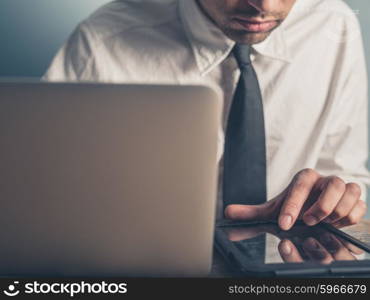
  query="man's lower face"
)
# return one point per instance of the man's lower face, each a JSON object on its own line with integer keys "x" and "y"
{"x": 247, "y": 22}
{"x": 248, "y": 30}
{"x": 249, "y": 33}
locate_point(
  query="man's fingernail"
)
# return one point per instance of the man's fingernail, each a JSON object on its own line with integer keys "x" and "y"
{"x": 285, "y": 248}
{"x": 310, "y": 220}
{"x": 286, "y": 221}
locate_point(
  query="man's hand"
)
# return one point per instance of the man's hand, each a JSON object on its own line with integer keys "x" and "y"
{"x": 310, "y": 197}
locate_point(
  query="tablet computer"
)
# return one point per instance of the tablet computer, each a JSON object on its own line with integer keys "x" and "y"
{"x": 262, "y": 249}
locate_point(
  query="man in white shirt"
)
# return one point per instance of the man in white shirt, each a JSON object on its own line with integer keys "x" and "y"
{"x": 308, "y": 56}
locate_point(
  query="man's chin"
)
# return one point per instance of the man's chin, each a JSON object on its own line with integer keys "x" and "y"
{"x": 249, "y": 38}
{"x": 243, "y": 37}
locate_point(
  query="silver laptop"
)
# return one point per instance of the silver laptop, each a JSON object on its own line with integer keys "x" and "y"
{"x": 107, "y": 180}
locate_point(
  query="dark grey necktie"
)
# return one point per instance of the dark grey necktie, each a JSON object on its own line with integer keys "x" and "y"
{"x": 244, "y": 180}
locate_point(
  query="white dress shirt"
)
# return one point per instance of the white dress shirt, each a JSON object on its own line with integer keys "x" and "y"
{"x": 311, "y": 72}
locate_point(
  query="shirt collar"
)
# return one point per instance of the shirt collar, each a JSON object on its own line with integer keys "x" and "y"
{"x": 211, "y": 46}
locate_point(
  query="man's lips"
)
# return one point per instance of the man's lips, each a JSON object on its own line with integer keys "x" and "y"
{"x": 256, "y": 26}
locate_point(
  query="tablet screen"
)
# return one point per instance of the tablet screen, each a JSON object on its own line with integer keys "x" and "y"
{"x": 270, "y": 245}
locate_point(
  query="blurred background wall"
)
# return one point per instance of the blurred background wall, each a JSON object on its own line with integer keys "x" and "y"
{"x": 31, "y": 31}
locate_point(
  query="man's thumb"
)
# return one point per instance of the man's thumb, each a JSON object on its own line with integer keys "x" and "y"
{"x": 247, "y": 212}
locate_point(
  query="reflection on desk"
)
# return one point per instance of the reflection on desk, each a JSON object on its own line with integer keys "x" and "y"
{"x": 360, "y": 231}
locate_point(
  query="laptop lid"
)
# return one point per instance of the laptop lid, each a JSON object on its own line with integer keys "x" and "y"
{"x": 116, "y": 180}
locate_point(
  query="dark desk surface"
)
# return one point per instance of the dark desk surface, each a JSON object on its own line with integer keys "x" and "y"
{"x": 221, "y": 269}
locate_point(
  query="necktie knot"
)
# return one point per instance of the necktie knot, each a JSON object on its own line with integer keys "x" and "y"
{"x": 242, "y": 55}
